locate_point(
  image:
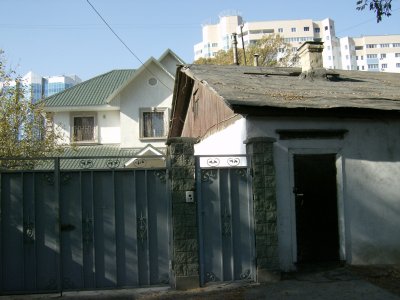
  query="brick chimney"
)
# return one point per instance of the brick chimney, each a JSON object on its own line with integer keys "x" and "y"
{"x": 310, "y": 54}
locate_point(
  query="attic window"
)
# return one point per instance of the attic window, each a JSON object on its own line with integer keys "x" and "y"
{"x": 153, "y": 81}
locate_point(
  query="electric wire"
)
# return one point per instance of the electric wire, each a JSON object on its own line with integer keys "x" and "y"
{"x": 126, "y": 46}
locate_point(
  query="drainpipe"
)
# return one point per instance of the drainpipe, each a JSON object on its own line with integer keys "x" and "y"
{"x": 234, "y": 46}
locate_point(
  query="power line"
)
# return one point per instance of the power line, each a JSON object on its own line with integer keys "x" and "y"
{"x": 126, "y": 46}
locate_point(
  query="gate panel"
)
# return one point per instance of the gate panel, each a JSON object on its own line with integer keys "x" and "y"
{"x": 226, "y": 232}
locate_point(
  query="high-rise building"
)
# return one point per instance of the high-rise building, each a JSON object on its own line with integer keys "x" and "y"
{"x": 367, "y": 53}
{"x": 39, "y": 87}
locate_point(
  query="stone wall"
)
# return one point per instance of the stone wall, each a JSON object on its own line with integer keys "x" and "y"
{"x": 185, "y": 261}
{"x": 265, "y": 209}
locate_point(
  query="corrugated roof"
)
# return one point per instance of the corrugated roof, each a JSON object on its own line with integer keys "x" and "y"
{"x": 92, "y": 92}
{"x": 242, "y": 86}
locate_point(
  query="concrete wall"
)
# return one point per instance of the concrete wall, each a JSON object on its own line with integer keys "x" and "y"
{"x": 368, "y": 168}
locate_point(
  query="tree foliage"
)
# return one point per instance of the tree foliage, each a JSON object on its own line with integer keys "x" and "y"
{"x": 24, "y": 132}
{"x": 380, "y": 7}
{"x": 272, "y": 51}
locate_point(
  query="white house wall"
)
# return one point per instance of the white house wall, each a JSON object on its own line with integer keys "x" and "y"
{"x": 108, "y": 127}
{"x": 368, "y": 168}
{"x": 225, "y": 142}
{"x": 62, "y": 124}
{"x": 140, "y": 94}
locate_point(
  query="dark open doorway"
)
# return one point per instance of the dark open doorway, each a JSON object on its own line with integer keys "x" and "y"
{"x": 316, "y": 208}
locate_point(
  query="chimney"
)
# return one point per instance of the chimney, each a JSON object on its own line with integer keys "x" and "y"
{"x": 310, "y": 54}
{"x": 256, "y": 56}
{"x": 235, "y": 50}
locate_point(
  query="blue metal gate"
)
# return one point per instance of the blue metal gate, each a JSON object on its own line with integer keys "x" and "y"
{"x": 83, "y": 229}
{"x": 226, "y": 231}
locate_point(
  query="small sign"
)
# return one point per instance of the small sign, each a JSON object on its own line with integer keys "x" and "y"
{"x": 223, "y": 162}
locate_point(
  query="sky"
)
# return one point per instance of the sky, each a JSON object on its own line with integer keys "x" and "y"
{"x": 65, "y": 37}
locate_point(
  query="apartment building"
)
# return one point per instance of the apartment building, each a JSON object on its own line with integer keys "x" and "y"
{"x": 39, "y": 87}
{"x": 217, "y": 36}
{"x": 367, "y": 53}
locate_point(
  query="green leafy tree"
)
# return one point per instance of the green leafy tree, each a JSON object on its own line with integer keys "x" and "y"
{"x": 24, "y": 131}
{"x": 380, "y": 7}
{"x": 272, "y": 50}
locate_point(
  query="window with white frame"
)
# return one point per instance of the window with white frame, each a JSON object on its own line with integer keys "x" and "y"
{"x": 395, "y": 45}
{"x": 317, "y": 30}
{"x": 293, "y": 29}
{"x": 153, "y": 123}
{"x": 397, "y": 55}
{"x": 383, "y": 55}
{"x": 372, "y": 55}
{"x": 397, "y": 65}
{"x": 384, "y": 66}
{"x": 280, "y": 30}
{"x": 306, "y": 28}
{"x": 84, "y": 128}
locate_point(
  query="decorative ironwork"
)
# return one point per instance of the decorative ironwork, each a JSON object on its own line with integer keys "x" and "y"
{"x": 49, "y": 178}
{"x": 140, "y": 162}
{"x": 210, "y": 277}
{"x": 208, "y": 175}
{"x": 87, "y": 230}
{"x": 162, "y": 175}
{"x": 226, "y": 223}
{"x": 65, "y": 178}
{"x": 141, "y": 228}
{"x": 245, "y": 274}
{"x": 112, "y": 163}
{"x": 29, "y": 231}
{"x": 233, "y": 161}
{"x": 164, "y": 278}
{"x": 213, "y": 161}
{"x": 51, "y": 285}
{"x": 68, "y": 284}
{"x": 86, "y": 163}
{"x": 241, "y": 172}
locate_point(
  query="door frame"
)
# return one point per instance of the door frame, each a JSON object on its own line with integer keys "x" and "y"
{"x": 340, "y": 196}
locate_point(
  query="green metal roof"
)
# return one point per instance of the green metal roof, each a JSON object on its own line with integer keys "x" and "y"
{"x": 92, "y": 92}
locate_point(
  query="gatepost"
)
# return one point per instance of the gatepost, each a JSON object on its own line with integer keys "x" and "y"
{"x": 185, "y": 258}
{"x": 265, "y": 210}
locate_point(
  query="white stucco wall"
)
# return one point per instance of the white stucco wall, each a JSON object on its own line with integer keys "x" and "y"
{"x": 139, "y": 94}
{"x": 368, "y": 172}
{"x": 108, "y": 127}
{"x": 226, "y": 142}
{"x": 62, "y": 123}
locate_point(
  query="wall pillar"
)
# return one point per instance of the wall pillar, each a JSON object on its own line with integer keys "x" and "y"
{"x": 265, "y": 208}
{"x": 185, "y": 260}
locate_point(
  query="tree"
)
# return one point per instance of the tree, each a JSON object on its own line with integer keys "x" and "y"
{"x": 381, "y": 7}
{"x": 24, "y": 130}
{"x": 272, "y": 50}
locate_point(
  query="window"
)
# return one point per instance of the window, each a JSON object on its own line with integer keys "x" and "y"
{"x": 214, "y": 45}
{"x": 397, "y": 65}
{"x": 373, "y": 66}
{"x": 395, "y": 45}
{"x": 397, "y": 55}
{"x": 306, "y": 28}
{"x": 83, "y": 129}
{"x": 280, "y": 30}
{"x": 362, "y": 67}
{"x": 359, "y": 47}
{"x": 372, "y": 55}
{"x": 293, "y": 29}
{"x": 383, "y": 55}
{"x": 384, "y": 66}
{"x": 317, "y": 30}
{"x": 384, "y": 45}
{"x": 153, "y": 122}
{"x": 370, "y": 46}
{"x": 356, "y": 57}
{"x": 326, "y": 27}
{"x": 362, "y": 57}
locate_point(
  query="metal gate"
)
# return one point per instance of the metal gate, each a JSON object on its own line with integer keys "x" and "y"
{"x": 83, "y": 229}
{"x": 225, "y": 209}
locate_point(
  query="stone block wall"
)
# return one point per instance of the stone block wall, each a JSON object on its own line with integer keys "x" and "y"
{"x": 265, "y": 209}
{"x": 185, "y": 261}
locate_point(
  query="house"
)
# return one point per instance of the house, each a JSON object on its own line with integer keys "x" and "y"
{"x": 323, "y": 149}
{"x": 119, "y": 113}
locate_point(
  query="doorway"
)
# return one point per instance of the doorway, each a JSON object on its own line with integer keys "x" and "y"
{"x": 315, "y": 192}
